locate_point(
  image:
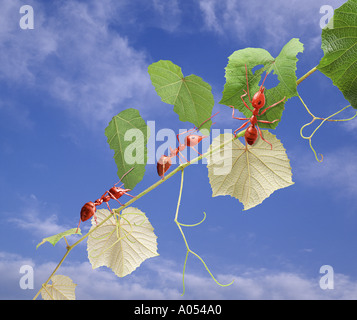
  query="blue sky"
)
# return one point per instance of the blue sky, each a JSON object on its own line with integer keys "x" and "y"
{"x": 84, "y": 62}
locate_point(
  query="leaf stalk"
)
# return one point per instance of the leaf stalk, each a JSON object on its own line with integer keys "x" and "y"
{"x": 307, "y": 74}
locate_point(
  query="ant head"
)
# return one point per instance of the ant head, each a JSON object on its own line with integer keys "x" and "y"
{"x": 193, "y": 140}
{"x": 258, "y": 100}
{"x": 116, "y": 190}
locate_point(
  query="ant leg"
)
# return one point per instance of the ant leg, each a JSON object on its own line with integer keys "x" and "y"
{"x": 243, "y": 95}
{"x": 181, "y": 156}
{"x": 109, "y": 207}
{"x": 115, "y": 218}
{"x": 241, "y": 127}
{"x": 129, "y": 194}
{"x": 236, "y": 117}
{"x": 260, "y": 133}
{"x": 173, "y": 153}
{"x": 273, "y": 105}
{"x": 78, "y": 225}
{"x": 265, "y": 121}
{"x": 246, "y": 76}
{"x": 177, "y": 152}
{"x": 118, "y": 201}
{"x": 104, "y": 195}
{"x": 196, "y": 150}
{"x": 111, "y": 196}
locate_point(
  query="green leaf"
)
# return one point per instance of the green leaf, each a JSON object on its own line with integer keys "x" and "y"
{"x": 57, "y": 237}
{"x": 249, "y": 174}
{"x": 284, "y": 66}
{"x": 128, "y": 135}
{"x": 339, "y": 43}
{"x": 192, "y": 97}
{"x": 121, "y": 243}
{"x": 62, "y": 288}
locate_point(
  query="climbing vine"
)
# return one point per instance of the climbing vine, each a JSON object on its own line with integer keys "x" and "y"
{"x": 122, "y": 238}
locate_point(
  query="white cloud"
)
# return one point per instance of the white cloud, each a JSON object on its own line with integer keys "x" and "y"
{"x": 10, "y": 265}
{"x": 209, "y": 16}
{"x": 169, "y": 14}
{"x": 36, "y": 217}
{"x": 92, "y": 71}
{"x": 350, "y": 125}
{"x": 22, "y": 49}
{"x": 338, "y": 170}
{"x": 100, "y": 72}
{"x": 73, "y": 54}
{"x": 273, "y": 22}
{"x": 162, "y": 279}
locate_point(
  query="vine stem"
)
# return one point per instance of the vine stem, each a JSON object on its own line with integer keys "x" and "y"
{"x": 152, "y": 187}
{"x": 179, "y": 225}
{"x": 306, "y": 75}
{"x": 53, "y": 273}
{"x": 322, "y": 122}
{"x": 181, "y": 167}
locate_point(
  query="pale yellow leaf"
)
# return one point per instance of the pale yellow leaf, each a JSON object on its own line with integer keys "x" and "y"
{"x": 121, "y": 243}
{"x": 249, "y": 174}
{"x": 61, "y": 288}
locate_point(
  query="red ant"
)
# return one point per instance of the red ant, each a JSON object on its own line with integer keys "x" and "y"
{"x": 191, "y": 140}
{"x": 89, "y": 209}
{"x": 258, "y": 102}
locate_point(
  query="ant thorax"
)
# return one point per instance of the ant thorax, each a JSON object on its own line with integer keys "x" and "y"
{"x": 258, "y": 100}
{"x": 253, "y": 119}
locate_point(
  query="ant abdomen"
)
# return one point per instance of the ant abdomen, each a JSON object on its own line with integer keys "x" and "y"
{"x": 87, "y": 211}
{"x": 251, "y": 135}
{"x": 163, "y": 165}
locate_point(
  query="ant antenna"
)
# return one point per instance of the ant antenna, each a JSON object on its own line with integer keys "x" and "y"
{"x": 264, "y": 81}
{"x": 206, "y": 121}
{"x": 121, "y": 179}
{"x": 246, "y": 76}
